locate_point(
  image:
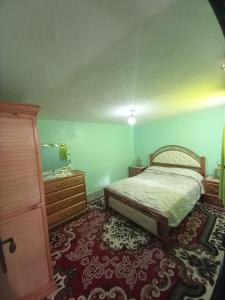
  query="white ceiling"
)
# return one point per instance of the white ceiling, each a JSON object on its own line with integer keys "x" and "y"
{"x": 93, "y": 60}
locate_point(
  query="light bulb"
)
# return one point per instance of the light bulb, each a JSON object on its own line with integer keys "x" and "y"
{"x": 131, "y": 120}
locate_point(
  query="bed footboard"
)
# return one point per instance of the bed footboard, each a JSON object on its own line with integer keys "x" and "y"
{"x": 139, "y": 214}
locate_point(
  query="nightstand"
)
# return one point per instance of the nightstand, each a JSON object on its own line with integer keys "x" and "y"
{"x": 133, "y": 171}
{"x": 211, "y": 185}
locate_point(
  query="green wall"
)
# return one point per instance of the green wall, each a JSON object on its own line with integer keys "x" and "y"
{"x": 200, "y": 131}
{"x": 103, "y": 151}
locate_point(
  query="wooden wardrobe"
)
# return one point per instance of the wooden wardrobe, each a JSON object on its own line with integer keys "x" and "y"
{"x": 25, "y": 266}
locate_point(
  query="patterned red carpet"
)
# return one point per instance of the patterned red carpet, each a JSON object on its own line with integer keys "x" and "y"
{"x": 103, "y": 256}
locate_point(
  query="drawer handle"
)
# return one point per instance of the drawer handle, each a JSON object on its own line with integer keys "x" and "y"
{"x": 12, "y": 249}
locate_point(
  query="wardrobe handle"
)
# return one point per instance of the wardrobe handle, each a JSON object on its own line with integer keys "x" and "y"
{"x": 12, "y": 249}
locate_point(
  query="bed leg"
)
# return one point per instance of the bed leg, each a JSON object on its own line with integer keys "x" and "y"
{"x": 163, "y": 232}
{"x": 165, "y": 241}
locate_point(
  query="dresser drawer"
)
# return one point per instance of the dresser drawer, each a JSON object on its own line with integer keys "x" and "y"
{"x": 66, "y": 213}
{"x": 212, "y": 189}
{"x": 56, "y": 196}
{"x": 62, "y": 184}
{"x": 62, "y": 204}
{"x": 211, "y": 199}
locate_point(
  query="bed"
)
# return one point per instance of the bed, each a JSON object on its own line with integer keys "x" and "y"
{"x": 163, "y": 194}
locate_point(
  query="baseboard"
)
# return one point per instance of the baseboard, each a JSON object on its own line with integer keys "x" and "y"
{"x": 95, "y": 195}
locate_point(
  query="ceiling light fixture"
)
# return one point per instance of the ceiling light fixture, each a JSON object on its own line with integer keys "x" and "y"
{"x": 131, "y": 120}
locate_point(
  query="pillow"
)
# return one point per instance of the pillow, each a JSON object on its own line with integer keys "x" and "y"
{"x": 178, "y": 171}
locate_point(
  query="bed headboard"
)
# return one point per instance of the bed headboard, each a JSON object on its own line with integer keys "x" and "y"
{"x": 179, "y": 157}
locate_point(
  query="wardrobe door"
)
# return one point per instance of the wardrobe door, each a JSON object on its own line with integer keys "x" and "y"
{"x": 27, "y": 268}
{"x": 25, "y": 264}
{"x": 19, "y": 183}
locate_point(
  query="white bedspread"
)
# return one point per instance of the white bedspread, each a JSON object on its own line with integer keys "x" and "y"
{"x": 170, "y": 191}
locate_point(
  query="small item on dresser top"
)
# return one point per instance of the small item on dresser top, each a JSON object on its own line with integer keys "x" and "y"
{"x": 62, "y": 152}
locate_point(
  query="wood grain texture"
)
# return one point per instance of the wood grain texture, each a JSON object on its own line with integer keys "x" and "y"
{"x": 22, "y": 205}
{"x": 51, "y": 285}
{"x": 66, "y": 213}
{"x": 27, "y": 267}
{"x": 202, "y": 163}
{"x": 199, "y": 159}
{"x": 213, "y": 200}
{"x": 211, "y": 186}
{"x": 18, "y": 165}
{"x": 66, "y": 198}
{"x": 63, "y": 183}
{"x": 67, "y": 202}
{"x": 18, "y": 109}
{"x": 65, "y": 193}
{"x": 162, "y": 221}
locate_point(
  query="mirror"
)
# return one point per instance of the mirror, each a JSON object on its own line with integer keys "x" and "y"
{"x": 55, "y": 159}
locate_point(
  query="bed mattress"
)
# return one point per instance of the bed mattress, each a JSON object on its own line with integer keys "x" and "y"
{"x": 172, "y": 192}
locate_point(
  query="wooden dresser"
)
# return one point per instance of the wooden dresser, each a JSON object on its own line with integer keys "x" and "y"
{"x": 65, "y": 198}
{"x": 211, "y": 186}
{"x": 25, "y": 264}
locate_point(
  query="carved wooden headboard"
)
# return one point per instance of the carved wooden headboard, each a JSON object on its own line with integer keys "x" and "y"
{"x": 179, "y": 157}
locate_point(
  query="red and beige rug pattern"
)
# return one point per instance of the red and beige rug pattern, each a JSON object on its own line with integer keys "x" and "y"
{"x": 104, "y": 256}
